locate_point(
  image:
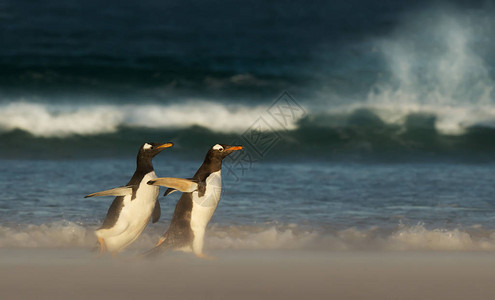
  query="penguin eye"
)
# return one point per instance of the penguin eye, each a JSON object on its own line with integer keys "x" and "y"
{"x": 218, "y": 147}
{"x": 147, "y": 146}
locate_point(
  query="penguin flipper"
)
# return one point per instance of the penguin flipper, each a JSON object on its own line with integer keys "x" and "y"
{"x": 183, "y": 185}
{"x": 169, "y": 191}
{"x": 157, "y": 211}
{"x": 120, "y": 191}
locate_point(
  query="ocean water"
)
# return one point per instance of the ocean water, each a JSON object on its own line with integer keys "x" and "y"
{"x": 367, "y": 126}
{"x": 324, "y": 206}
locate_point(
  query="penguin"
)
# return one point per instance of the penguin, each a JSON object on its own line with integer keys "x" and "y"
{"x": 135, "y": 203}
{"x": 200, "y": 197}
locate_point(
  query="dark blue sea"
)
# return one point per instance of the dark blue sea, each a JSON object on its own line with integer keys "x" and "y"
{"x": 367, "y": 125}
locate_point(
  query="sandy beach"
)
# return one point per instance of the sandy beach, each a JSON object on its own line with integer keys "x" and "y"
{"x": 77, "y": 274}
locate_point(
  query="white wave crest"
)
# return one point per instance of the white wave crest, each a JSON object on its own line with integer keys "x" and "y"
{"x": 59, "y": 121}
{"x": 62, "y": 120}
{"x": 448, "y": 119}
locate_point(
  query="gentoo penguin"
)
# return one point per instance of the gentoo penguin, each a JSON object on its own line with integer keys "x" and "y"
{"x": 197, "y": 204}
{"x": 135, "y": 203}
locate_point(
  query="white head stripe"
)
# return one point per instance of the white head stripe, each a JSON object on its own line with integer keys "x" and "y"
{"x": 217, "y": 147}
{"x": 147, "y": 146}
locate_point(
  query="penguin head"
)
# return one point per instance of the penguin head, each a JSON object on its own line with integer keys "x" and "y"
{"x": 220, "y": 151}
{"x": 149, "y": 150}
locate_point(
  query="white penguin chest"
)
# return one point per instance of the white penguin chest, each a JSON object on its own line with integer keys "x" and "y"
{"x": 204, "y": 206}
{"x": 134, "y": 216}
{"x": 139, "y": 209}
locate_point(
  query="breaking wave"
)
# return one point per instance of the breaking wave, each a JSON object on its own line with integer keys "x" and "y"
{"x": 62, "y": 120}
{"x": 42, "y": 131}
{"x": 46, "y": 120}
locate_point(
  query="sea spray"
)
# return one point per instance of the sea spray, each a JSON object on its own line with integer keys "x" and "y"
{"x": 439, "y": 71}
{"x": 268, "y": 237}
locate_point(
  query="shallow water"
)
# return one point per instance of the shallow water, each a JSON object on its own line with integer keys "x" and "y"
{"x": 384, "y": 139}
{"x": 273, "y": 205}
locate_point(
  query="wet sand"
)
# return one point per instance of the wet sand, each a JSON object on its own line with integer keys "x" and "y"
{"x": 78, "y": 274}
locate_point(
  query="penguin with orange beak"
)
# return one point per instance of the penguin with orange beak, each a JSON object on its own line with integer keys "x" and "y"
{"x": 135, "y": 203}
{"x": 199, "y": 200}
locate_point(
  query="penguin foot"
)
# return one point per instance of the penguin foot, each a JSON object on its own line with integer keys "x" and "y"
{"x": 204, "y": 256}
{"x": 160, "y": 241}
{"x": 101, "y": 241}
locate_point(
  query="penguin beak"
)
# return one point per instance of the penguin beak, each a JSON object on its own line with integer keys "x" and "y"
{"x": 166, "y": 145}
{"x": 234, "y": 148}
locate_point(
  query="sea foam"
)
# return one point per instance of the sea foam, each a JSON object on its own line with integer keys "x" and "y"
{"x": 66, "y": 234}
